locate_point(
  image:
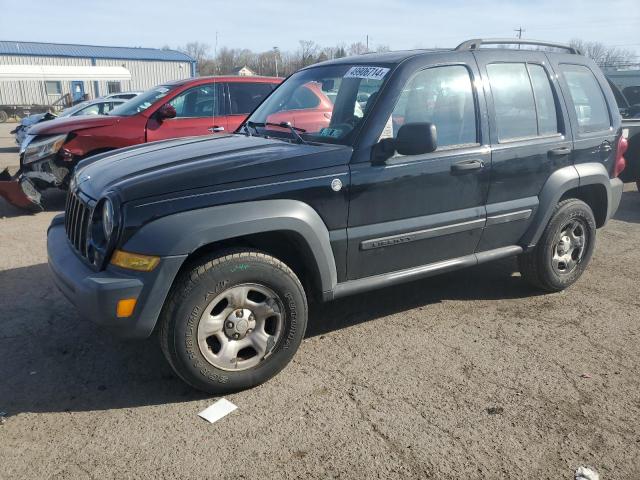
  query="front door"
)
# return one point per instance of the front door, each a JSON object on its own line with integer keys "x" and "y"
{"x": 200, "y": 110}
{"x": 420, "y": 209}
{"x": 530, "y": 139}
{"x": 77, "y": 91}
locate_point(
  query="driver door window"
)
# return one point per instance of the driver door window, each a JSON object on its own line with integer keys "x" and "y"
{"x": 198, "y": 102}
{"x": 442, "y": 96}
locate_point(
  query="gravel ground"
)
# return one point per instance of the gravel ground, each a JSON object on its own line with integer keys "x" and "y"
{"x": 467, "y": 375}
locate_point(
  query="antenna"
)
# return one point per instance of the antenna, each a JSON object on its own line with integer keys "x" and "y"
{"x": 215, "y": 89}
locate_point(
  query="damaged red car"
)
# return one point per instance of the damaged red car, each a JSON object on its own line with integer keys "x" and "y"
{"x": 195, "y": 106}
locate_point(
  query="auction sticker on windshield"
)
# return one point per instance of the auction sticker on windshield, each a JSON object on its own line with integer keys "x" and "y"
{"x": 373, "y": 73}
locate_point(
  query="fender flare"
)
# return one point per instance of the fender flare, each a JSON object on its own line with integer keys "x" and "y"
{"x": 560, "y": 182}
{"x": 183, "y": 233}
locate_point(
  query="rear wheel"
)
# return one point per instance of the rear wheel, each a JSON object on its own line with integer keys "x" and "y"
{"x": 233, "y": 321}
{"x": 564, "y": 250}
{"x": 4, "y": 116}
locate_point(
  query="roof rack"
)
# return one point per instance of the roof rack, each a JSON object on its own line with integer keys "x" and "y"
{"x": 477, "y": 42}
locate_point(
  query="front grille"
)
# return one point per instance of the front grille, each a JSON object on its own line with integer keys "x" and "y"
{"x": 76, "y": 222}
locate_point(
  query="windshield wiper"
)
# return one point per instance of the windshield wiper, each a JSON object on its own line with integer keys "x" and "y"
{"x": 294, "y": 130}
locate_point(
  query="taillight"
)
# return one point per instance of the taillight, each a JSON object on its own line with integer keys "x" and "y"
{"x": 620, "y": 163}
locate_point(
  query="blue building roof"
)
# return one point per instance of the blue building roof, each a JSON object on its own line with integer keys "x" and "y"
{"x": 91, "y": 51}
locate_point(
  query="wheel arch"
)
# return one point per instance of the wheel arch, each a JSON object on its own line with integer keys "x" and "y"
{"x": 588, "y": 182}
{"x": 287, "y": 229}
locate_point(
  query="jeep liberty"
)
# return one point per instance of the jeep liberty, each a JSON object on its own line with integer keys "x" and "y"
{"x": 431, "y": 160}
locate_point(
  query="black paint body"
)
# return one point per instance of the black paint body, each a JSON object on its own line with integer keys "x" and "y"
{"x": 409, "y": 212}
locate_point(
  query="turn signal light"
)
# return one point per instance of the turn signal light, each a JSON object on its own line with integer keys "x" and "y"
{"x": 126, "y": 307}
{"x": 134, "y": 261}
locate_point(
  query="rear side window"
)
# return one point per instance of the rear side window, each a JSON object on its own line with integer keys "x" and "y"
{"x": 442, "y": 96}
{"x": 588, "y": 99}
{"x": 545, "y": 102}
{"x": 513, "y": 100}
{"x": 246, "y": 96}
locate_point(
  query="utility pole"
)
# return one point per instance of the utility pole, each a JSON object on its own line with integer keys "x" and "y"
{"x": 520, "y": 30}
{"x": 215, "y": 55}
{"x": 276, "y": 53}
{"x": 367, "y": 43}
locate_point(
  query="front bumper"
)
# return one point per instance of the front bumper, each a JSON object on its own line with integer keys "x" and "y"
{"x": 96, "y": 294}
{"x": 615, "y": 195}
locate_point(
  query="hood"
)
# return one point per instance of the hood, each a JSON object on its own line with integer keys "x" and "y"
{"x": 32, "y": 119}
{"x": 69, "y": 124}
{"x": 162, "y": 168}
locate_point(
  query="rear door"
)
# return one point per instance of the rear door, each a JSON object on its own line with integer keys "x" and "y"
{"x": 243, "y": 98}
{"x": 586, "y": 91}
{"x": 530, "y": 139}
{"x": 200, "y": 110}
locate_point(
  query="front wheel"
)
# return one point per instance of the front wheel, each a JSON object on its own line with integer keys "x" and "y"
{"x": 233, "y": 321}
{"x": 564, "y": 250}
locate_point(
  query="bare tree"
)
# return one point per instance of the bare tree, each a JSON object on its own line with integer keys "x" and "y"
{"x": 308, "y": 50}
{"x": 357, "y": 48}
{"x": 196, "y": 50}
{"x": 603, "y": 55}
{"x": 273, "y": 62}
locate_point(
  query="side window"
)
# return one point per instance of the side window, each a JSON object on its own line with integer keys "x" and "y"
{"x": 245, "y": 96}
{"x": 303, "y": 98}
{"x": 513, "y": 100}
{"x": 545, "y": 101}
{"x": 197, "y": 102}
{"x": 587, "y": 97}
{"x": 90, "y": 110}
{"x": 108, "y": 106}
{"x": 442, "y": 96}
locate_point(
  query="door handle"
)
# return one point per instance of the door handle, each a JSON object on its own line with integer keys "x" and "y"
{"x": 215, "y": 129}
{"x": 467, "y": 166}
{"x": 560, "y": 151}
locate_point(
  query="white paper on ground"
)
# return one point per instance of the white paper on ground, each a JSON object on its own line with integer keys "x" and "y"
{"x": 218, "y": 410}
{"x": 585, "y": 473}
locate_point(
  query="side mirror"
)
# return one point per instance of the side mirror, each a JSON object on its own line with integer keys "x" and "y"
{"x": 417, "y": 138}
{"x": 412, "y": 139}
{"x": 165, "y": 111}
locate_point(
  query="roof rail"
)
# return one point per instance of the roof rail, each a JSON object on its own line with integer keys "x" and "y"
{"x": 477, "y": 42}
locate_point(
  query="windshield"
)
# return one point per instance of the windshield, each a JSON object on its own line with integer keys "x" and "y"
{"x": 141, "y": 102}
{"x": 324, "y": 104}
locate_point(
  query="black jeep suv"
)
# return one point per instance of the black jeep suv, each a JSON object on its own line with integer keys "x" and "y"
{"x": 426, "y": 161}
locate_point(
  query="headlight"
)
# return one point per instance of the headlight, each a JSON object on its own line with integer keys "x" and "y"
{"x": 38, "y": 149}
{"x": 107, "y": 219}
{"x": 26, "y": 141}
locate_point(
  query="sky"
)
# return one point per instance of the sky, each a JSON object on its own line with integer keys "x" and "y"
{"x": 262, "y": 24}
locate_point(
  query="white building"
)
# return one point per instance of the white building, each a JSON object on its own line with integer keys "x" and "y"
{"x": 145, "y": 67}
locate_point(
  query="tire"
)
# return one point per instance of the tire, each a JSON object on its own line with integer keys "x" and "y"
{"x": 200, "y": 346}
{"x": 3, "y": 116}
{"x": 556, "y": 262}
